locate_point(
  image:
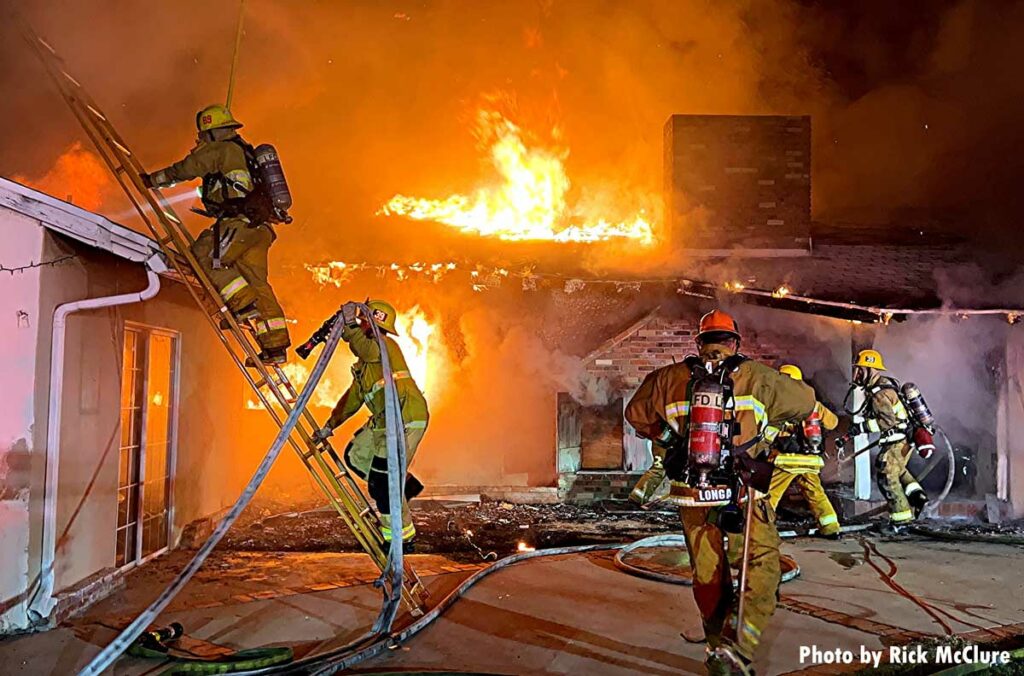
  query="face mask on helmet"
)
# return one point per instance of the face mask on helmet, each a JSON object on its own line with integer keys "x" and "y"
{"x": 861, "y": 375}
{"x": 718, "y": 338}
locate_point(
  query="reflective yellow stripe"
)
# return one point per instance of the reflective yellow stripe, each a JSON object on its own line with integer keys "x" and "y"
{"x": 407, "y": 532}
{"x": 900, "y": 410}
{"x": 379, "y": 385}
{"x": 416, "y": 425}
{"x": 770, "y": 432}
{"x": 275, "y": 324}
{"x": 873, "y": 425}
{"x": 790, "y": 461}
{"x": 750, "y": 403}
{"x": 236, "y": 285}
{"x": 899, "y": 517}
{"x": 828, "y": 520}
{"x": 239, "y": 180}
{"x": 912, "y": 488}
{"x": 677, "y": 409}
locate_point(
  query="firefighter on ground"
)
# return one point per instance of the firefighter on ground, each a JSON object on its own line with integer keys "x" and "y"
{"x": 761, "y": 401}
{"x": 884, "y": 414}
{"x": 367, "y": 453}
{"x": 797, "y": 459}
{"x": 243, "y": 215}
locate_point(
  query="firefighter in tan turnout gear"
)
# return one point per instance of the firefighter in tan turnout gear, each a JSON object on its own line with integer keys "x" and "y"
{"x": 697, "y": 410}
{"x": 886, "y": 415}
{"x": 234, "y": 251}
{"x": 797, "y": 459}
{"x": 367, "y": 453}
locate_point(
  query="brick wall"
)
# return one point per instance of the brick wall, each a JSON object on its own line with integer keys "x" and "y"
{"x": 738, "y": 179}
{"x": 658, "y": 342}
{"x": 585, "y": 488}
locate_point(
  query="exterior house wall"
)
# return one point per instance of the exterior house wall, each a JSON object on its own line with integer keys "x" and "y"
{"x": 21, "y": 244}
{"x": 211, "y": 440}
{"x": 1010, "y": 428}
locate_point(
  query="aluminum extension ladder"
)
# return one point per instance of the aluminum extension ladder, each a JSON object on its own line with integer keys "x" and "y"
{"x": 270, "y": 384}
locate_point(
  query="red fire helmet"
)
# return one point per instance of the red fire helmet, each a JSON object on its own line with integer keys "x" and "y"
{"x": 717, "y": 321}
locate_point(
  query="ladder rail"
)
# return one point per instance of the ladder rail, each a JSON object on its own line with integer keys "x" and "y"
{"x": 343, "y": 493}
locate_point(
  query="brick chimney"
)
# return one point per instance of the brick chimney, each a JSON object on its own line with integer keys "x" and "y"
{"x": 738, "y": 181}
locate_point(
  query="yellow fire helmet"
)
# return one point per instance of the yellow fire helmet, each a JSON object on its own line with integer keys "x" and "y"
{"x": 793, "y": 372}
{"x": 871, "y": 359}
{"x": 383, "y": 315}
{"x": 216, "y": 116}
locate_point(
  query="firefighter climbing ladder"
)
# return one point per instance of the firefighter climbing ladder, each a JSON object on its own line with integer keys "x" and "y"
{"x": 270, "y": 383}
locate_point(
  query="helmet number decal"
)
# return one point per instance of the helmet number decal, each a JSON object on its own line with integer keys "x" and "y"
{"x": 380, "y": 316}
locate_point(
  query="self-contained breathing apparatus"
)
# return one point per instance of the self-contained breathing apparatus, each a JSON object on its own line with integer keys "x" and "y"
{"x": 269, "y": 199}
{"x": 919, "y": 428}
{"x": 703, "y": 455}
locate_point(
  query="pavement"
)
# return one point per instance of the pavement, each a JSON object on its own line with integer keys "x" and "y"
{"x": 566, "y": 614}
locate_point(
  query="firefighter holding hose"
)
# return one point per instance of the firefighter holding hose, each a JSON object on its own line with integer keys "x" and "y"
{"x": 797, "y": 459}
{"x": 886, "y": 414}
{"x": 714, "y": 414}
{"x": 245, "y": 192}
{"x": 367, "y": 453}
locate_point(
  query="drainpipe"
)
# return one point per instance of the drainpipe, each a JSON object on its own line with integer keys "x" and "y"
{"x": 43, "y": 602}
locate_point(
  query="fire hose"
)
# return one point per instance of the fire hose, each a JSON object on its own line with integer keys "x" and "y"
{"x": 393, "y": 573}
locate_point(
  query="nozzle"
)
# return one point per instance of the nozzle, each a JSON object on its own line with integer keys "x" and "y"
{"x": 306, "y": 348}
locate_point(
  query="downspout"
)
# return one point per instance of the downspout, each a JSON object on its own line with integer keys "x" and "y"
{"x": 43, "y": 601}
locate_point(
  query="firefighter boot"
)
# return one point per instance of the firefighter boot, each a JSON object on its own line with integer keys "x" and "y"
{"x": 888, "y": 529}
{"x": 918, "y": 500}
{"x": 694, "y": 634}
{"x": 725, "y": 661}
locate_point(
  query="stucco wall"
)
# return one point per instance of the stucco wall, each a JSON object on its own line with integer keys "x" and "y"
{"x": 21, "y": 244}
{"x": 209, "y": 463}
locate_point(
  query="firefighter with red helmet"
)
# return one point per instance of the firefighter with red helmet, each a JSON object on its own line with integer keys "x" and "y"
{"x": 886, "y": 415}
{"x": 797, "y": 459}
{"x": 722, "y": 396}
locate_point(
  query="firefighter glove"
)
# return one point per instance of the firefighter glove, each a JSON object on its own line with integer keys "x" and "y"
{"x": 754, "y": 473}
{"x": 789, "y": 444}
{"x": 322, "y": 434}
{"x": 349, "y": 314}
{"x": 676, "y": 458}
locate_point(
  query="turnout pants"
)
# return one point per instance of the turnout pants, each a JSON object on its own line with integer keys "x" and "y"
{"x": 369, "y": 443}
{"x": 810, "y": 487}
{"x": 712, "y": 578}
{"x": 895, "y": 480}
{"x": 242, "y": 277}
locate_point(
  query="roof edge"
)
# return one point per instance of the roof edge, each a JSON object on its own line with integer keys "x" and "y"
{"x": 75, "y": 222}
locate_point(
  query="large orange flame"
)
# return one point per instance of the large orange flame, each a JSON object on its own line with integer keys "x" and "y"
{"x": 528, "y": 204}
